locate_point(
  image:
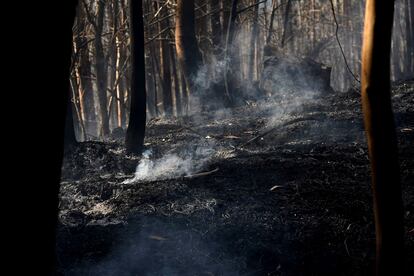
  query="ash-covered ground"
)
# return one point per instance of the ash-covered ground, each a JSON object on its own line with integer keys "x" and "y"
{"x": 278, "y": 186}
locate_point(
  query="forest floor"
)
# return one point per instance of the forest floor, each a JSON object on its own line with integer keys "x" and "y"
{"x": 294, "y": 201}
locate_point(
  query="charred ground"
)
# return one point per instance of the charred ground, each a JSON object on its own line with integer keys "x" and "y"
{"x": 295, "y": 201}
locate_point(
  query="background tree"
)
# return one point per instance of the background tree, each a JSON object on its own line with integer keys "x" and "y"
{"x": 188, "y": 53}
{"x": 306, "y": 29}
{"x": 165, "y": 65}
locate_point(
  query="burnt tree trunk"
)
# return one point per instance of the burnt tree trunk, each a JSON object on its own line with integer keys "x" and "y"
{"x": 178, "y": 100}
{"x": 165, "y": 67}
{"x": 70, "y": 136}
{"x": 85, "y": 75}
{"x": 267, "y": 48}
{"x": 135, "y": 134}
{"x": 188, "y": 53}
{"x": 253, "y": 44}
{"x": 101, "y": 73}
{"x": 381, "y": 136}
{"x": 286, "y": 23}
{"x": 229, "y": 53}
{"x": 216, "y": 28}
{"x": 43, "y": 149}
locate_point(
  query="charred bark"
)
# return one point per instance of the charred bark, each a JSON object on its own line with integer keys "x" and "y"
{"x": 381, "y": 136}
{"x": 44, "y": 148}
{"x": 136, "y": 129}
{"x": 165, "y": 68}
{"x": 267, "y": 49}
{"x": 178, "y": 106}
{"x": 101, "y": 73}
{"x": 70, "y": 136}
{"x": 253, "y": 44}
{"x": 286, "y": 23}
{"x": 216, "y": 28}
{"x": 230, "y": 52}
{"x": 188, "y": 53}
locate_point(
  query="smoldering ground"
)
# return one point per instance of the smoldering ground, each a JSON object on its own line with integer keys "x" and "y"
{"x": 277, "y": 185}
{"x": 298, "y": 200}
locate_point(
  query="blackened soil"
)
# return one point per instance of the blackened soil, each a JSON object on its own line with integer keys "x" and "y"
{"x": 296, "y": 202}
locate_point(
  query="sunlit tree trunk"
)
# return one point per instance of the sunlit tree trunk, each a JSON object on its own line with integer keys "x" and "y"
{"x": 381, "y": 136}
{"x": 136, "y": 129}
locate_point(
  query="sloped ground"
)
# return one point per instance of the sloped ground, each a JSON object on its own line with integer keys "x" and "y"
{"x": 294, "y": 201}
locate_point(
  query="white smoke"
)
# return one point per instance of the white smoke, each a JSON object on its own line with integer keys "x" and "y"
{"x": 171, "y": 165}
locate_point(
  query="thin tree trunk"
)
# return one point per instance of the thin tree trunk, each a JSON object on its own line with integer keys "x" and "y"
{"x": 410, "y": 37}
{"x": 135, "y": 134}
{"x": 253, "y": 44}
{"x": 165, "y": 68}
{"x": 184, "y": 92}
{"x": 267, "y": 49}
{"x": 101, "y": 73}
{"x": 216, "y": 28}
{"x": 154, "y": 74}
{"x": 178, "y": 106}
{"x": 85, "y": 75}
{"x": 286, "y": 23}
{"x": 381, "y": 136}
{"x": 229, "y": 54}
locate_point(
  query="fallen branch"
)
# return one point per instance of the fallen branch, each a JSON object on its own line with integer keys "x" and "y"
{"x": 202, "y": 173}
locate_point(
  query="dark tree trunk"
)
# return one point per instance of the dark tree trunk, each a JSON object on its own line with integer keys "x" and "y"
{"x": 136, "y": 129}
{"x": 34, "y": 224}
{"x": 165, "y": 68}
{"x": 225, "y": 15}
{"x": 84, "y": 69}
{"x": 184, "y": 93}
{"x": 87, "y": 90}
{"x": 381, "y": 136}
{"x": 216, "y": 28}
{"x": 409, "y": 9}
{"x": 70, "y": 136}
{"x": 178, "y": 106}
{"x": 232, "y": 23}
{"x": 154, "y": 74}
{"x": 286, "y": 23}
{"x": 230, "y": 53}
{"x": 153, "y": 28}
{"x": 188, "y": 53}
{"x": 101, "y": 72}
{"x": 253, "y": 44}
{"x": 267, "y": 48}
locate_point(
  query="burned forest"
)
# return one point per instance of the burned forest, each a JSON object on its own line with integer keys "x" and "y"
{"x": 236, "y": 137}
